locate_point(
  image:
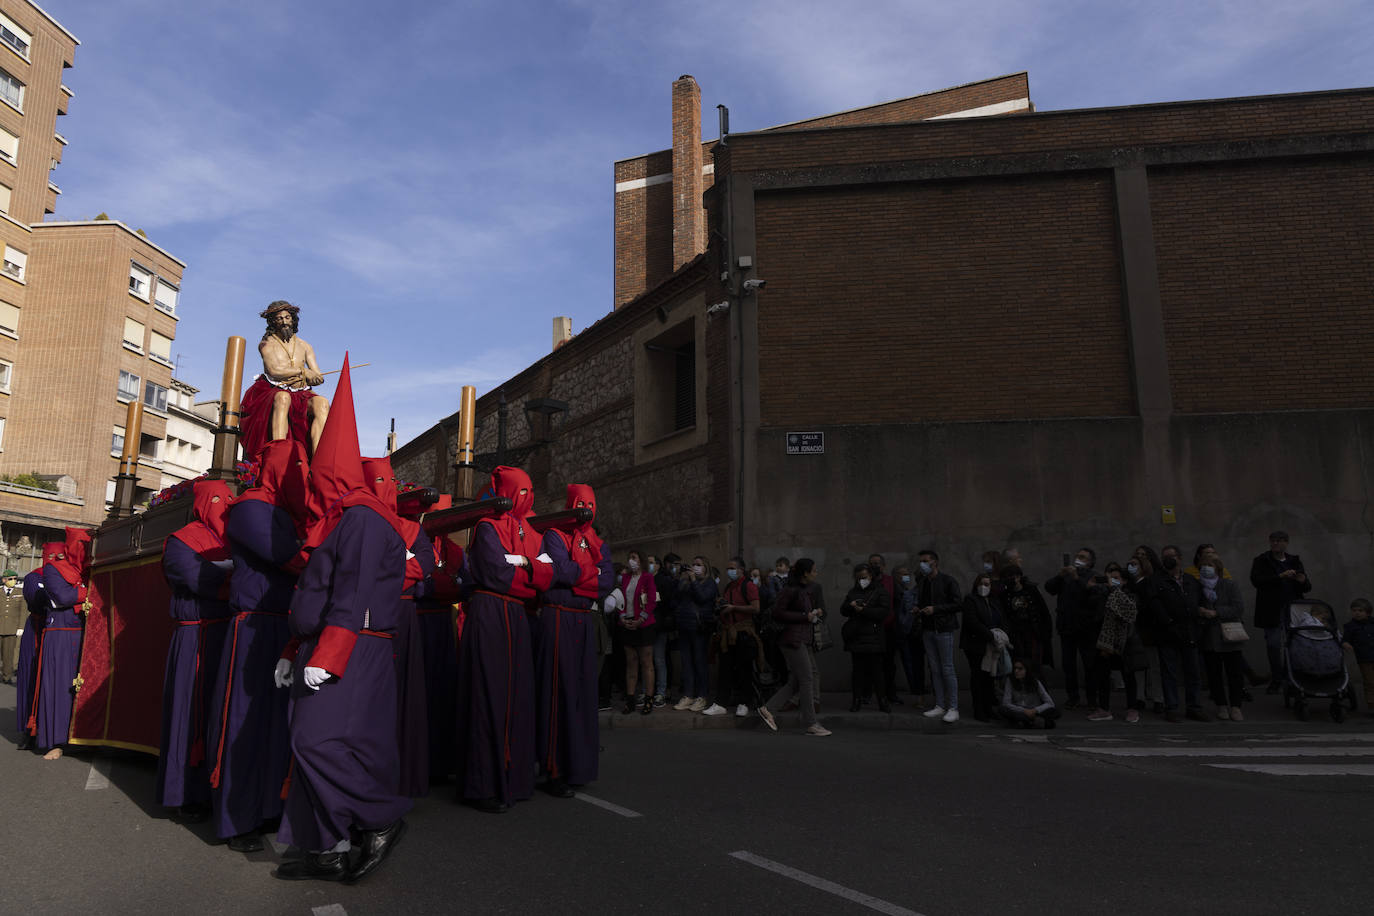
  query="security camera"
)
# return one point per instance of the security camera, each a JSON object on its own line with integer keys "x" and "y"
{"x": 720, "y": 308}
{"x": 752, "y": 285}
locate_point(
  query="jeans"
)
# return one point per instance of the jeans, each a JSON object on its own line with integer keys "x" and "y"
{"x": 799, "y": 684}
{"x": 691, "y": 644}
{"x": 1171, "y": 658}
{"x": 661, "y": 663}
{"x": 1273, "y": 645}
{"x": 940, "y": 655}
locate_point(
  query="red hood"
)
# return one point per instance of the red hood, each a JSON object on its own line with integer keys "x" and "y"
{"x": 508, "y": 482}
{"x": 283, "y": 480}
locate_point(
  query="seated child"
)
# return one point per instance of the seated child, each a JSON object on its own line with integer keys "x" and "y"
{"x": 1025, "y": 701}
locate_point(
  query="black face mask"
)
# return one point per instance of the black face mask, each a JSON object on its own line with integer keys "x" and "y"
{"x": 1171, "y": 563}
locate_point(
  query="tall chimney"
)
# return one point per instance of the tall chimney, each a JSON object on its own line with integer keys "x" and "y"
{"x": 689, "y": 220}
{"x": 562, "y": 331}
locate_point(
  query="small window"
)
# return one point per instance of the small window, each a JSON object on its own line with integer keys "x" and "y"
{"x": 5, "y": 193}
{"x": 160, "y": 348}
{"x": 670, "y": 364}
{"x": 6, "y": 374}
{"x": 11, "y": 90}
{"x": 139, "y": 280}
{"x": 129, "y": 386}
{"x": 9, "y": 319}
{"x": 117, "y": 441}
{"x": 133, "y": 334}
{"x": 166, "y": 297}
{"x": 14, "y": 36}
{"x": 9, "y": 146}
{"x": 155, "y": 397}
{"x": 15, "y": 261}
{"x": 2, "y": 433}
{"x": 150, "y": 447}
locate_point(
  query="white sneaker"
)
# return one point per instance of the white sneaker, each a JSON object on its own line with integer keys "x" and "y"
{"x": 741, "y": 711}
{"x": 934, "y": 713}
{"x": 766, "y": 715}
{"x": 715, "y": 709}
{"x": 1223, "y": 713}
{"x": 683, "y": 704}
{"x": 698, "y": 704}
{"x": 818, "y": 730}
{"x": 951, "y": 716}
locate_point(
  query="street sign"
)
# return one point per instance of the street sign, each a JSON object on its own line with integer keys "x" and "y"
{"x": 806, "y": 443}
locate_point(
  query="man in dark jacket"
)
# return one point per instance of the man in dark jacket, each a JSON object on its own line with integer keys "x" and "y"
{"x": 665, "y": 580}
{"x": 938, "y": 601}
{"x": 1070, "y": 590}
{"x": 1177, "y": 598}
{"x": 1279, "y": 579}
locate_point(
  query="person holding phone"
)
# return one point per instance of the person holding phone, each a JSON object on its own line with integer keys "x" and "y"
{"x": 637, "y": 626}
{"x": 696, "y": 609}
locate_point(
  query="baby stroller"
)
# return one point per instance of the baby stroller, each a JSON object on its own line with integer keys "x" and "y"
{"x": 1313, "y": 659}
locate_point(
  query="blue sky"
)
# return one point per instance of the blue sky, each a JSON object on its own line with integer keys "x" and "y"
{"x": 431, "y": 181}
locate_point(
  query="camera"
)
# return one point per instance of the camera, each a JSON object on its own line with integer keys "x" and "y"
{"x": 752, "y": 285}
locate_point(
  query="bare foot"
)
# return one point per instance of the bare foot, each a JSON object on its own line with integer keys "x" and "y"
{"x": 53, "y": 754}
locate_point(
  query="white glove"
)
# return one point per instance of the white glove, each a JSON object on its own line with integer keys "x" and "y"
{"x": 409, "y": 556}
{"x": 544, "y": 558}
{"x": 227, "y": 565}
{"x": 283, "y": 676}
{"x": 608, "y": 604}
{"x": 314, "y": 677}
{"x": 515, "y": 559}
{"x": 19, "y": 632}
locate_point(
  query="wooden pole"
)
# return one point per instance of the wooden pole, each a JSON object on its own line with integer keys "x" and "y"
{"x": 226, "y": 450}
{"x": 466, "y": 484}
{"x": 126, "y": 482}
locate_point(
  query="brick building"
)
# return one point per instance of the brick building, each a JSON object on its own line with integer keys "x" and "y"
{"x": 1043, "y": 329}
{"x": 88, "y": 309}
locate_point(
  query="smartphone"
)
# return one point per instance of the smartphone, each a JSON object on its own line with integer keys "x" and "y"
{"x": 1067, "y": 559}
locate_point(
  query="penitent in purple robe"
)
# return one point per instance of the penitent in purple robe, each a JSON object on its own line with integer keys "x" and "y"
{"x": 568, "y": 730}
{"x": 347, "y": 766}
{"x": 59, "y": 656}
{"x": 27, "y": 669}
{"x": 183, "y": 777}
{"x": 246, "y": 744}
{"x": 434, "y": 609}
{"x": 495, "y": 681}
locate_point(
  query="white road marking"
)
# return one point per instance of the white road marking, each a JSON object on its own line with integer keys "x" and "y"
{"x": 329, "y": 909}
{"x": 1227, "y": 751}
{"x": 99, "y": 776}
{"x": 615, "y": 809}
{"x": 1312, "y": 739}
{"x": 1300, "y": 769}
{"x": 830, "y": 887}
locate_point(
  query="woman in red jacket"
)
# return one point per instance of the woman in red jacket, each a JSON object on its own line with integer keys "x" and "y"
{"x": 638, "y": 631}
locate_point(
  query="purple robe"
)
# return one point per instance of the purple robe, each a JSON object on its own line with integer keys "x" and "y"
{"x": 412, "y": 727}
{"x": 59, "y": 656}
{"x": 495, "y": 722}
{"x": 346, "y": 771}
{"x": 440, "y": 648}
{"x": 183, "y": 778}
{"x": 568, "y": 728}
{"x": 27, "y": 668}
{"x": 246, "y": 741}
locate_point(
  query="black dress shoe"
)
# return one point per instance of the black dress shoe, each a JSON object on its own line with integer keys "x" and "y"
{"x": 25, "y": 743}
{"x": 557, "y": 788}
{"x": 377, "y": 845}
{"x": 487, "y": 805}
{"x": 245, "y": 842}
{"x": 323, "y": 866}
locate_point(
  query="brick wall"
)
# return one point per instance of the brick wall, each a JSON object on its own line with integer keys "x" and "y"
{"x": 956, "y": 300}
{"x": 1265, "y": 279}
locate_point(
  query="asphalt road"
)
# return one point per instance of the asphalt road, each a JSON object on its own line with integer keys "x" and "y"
{"x": 966, "y": 820}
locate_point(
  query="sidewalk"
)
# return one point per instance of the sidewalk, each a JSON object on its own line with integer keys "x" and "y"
{"x": 835, "y": 714}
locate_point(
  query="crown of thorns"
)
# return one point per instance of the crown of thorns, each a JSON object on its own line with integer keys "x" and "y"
{"x": 281, "y": 305}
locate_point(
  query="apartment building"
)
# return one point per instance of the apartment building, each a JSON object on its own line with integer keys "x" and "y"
{"x": 189, "y": 445}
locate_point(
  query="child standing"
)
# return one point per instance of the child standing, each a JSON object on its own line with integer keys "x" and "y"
{"x": 1358, "y": 637}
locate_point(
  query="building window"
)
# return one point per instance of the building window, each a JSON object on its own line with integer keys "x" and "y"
{"x": 15, "y": 261}
{"x": 155, "y": 396}
{"x": 9, "y": 319}
{"x": 671, "y": 381}
{"x": 160, "y": 348}
{"x": 5, "y": 194}
{"x": 117, "y": 442}
{"x": 133, "y": 334}
{"x": 139, "y": 280}
{"x": 6, "y": 375}
{"x": 2, "y": 433}
{"x": 9, "y": 146}
{"x": 12, "y": 35}
{"x": 11, "y": 90}
{"x": 128, "y": 386}
{"x": 150, "y": 447}
{"x": 166, "y": 297}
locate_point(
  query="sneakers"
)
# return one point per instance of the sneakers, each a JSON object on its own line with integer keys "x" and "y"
{"x": 646, "y": 707}
{"x": 1237, "y": 715}
{"x": 934, "y": 712}
{"x": 715, "y": 709}
{"x": 951, "y": 716}
{"x": 659, "y": 701}
{"x": 1100, "y": 715}
{"x": 684, "y": 704}
{"x": 766, "y": 715}
{"x": 741, "y": 711}
{"x": 1223, "y": 713}
{"x": 698, "y": 704}
{"x": 1133, "y": 716}
{"x": 818, "y": 730}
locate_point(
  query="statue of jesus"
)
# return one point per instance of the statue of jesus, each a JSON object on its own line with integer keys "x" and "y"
{"x": 280, "y": 402}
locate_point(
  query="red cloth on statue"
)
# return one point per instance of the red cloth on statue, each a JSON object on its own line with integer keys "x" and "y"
{"x": 256, "y": 420}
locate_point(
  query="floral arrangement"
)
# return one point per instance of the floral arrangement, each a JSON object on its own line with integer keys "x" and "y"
{"x": 245, "y": 472}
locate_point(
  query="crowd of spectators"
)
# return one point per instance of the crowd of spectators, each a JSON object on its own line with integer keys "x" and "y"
{"x": 1168, "y": 636}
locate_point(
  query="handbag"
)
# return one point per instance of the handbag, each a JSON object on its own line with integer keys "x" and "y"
{"x": 820, "y": 635}
{"x": 1233, "y": 631}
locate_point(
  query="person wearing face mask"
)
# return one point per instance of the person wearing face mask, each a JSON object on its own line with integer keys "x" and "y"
{"x": 1279, "y": 579}
{"x": 866, "y": 606}
{"x": 795, "y": 612}
{"x": 1027, "y": 617}
{"x": 905, "y": 634}
{"x": 1118, "y": 647}
{"x": 637, "y": 624}
{"x": 738, "y": 648}
{"x": 665, "y": 623}
{"x": 696, "y": 609}
{"x": 1069, "y": 587}
{"x": 1171, "y": 602}
{"x": 13, "y": 609}
{"x": 982, "y": 620}
{"x": 1140, "y": 582}
{"x": 938, "y": 602}
{"x": 878, "y": 563}
{"x": 992, "y": 565}
{"x": 1221, "y": 600}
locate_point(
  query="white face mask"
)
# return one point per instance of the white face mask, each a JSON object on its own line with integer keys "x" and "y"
{"x": 699, "y": 569}
{"x": 1080, "y": 563}
{"x": 864, "y": 583}
{"x": 987, "y": 567}
{"x": 653, "y": 568}
{"x": 732, "y": 573}
{"x": 906, "y": 580}
{"x": 984, "y": 590}
{"x": 1114, "y": 582}
{"x": 1208, "y": 572}
{"x": 754, "y": 579}
{"x": 634, "y": 565}
{"x": 1133, "y": 568}
{"x": 925, "y": 567}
